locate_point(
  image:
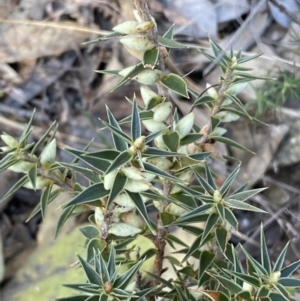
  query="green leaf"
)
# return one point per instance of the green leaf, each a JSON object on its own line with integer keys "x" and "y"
{"x": 289, "y": 282}
{"x": 175, "y": 83}
{"x": 123, "y": 158}
{"x": 154, "y": 152}
{"x": 245, "y": 296}
{"x": 140, "y": 206}
{"x": 27, "y": 130}
{"x": 187, "y": 201}
{"x": 200, "y": 156}
{"x": 90, "y": 231}
{"x": 186, "y": 218}
{"x": 250, "y": 76}
{"x": 264, "y": 291}
{"x": 118, "y": 132}
{"x": 154, "y": 101}
{"x": 242, "y": 206}
{"x": 105, "y": 154}
{"x": 239, "y": 104}
{"x": 32, "y": 174}
{"x": 205, "y": 260}
{"x": 136, "y": 129}
{"x": 171, "y": 140}
{"x": 135, "y": 71}
{"x": 94, "y": 247}
{"x": 282, "y": 291}
{"x": 15, "y": 187}
{"x": 228, "y": 284}
{"x": 123, "y": 280}
{"x": 275, "y": 297}
{"x": 111, "y": 263}
{"x": 119, "y": 143}
{"x": 221, "y": 235}
{"x": 152, "y": 136}
{"x": 97, "y": 163}
{"x": 43, "y": 138}
{"x": 62, "y": 219}
{"x": 90, "y": 194}
{"x": 119, "y": 183}
{"x": 207, "y": 187}
{"x": 210, "y": 225}
{"x": 254, "y": 281}
{"x": 161, "y": 280}
{"x": 169, "y": 33}
{"x": 245, "y": 195}
{"x": 45, "y": 199}
{"x": 74, "y": 298}
{"x": 151, "y": 56}
{"x": 203, "y": 100}
{"x": 173, "y": 239}
{"x": 111, "y": 35}
{"x": 144, "y": 115}
{"x": 169, "y": 43}
{"x": 280, "y": 260}
{"x": 85, "y": 172}
{"x": 231, "y": 143}
{"x": 229, "y": 181}
{"x": 111, "y": 72}
{"x": 11, "y": 160}
{"x": 265, "y": 259}
{"x": 230, "y": 217}
{"x": 190, "y": 138}
{"x": 290, "y": 269}
{"x": 91, "y": 274}
{"x": 209, "y": 177}
{"x": 159, "y": 172}
{"x": 247, "y": 58}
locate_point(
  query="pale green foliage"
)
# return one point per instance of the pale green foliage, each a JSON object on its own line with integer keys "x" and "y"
{"x": 167, "y": 169}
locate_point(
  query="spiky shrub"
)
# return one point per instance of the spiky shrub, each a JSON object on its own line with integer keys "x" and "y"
{"x": 168, "y": 169}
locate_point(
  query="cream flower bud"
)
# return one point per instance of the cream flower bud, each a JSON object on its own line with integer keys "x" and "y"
{"x": 9, "y": 140}
{"x": 274, "y": 277}
{"x": 134, "y": 220}
{"x": 133, "y": 173}
{"x": 148, "y": 76}
{"x": 21, "y": 166}
{"x": 99, "y": 216}
{"x": 162, "y": 163}
{"x": 184, "y": 126}
{"x": 140, "y": 142}
{"x": 41, "y": 182}
{"x": 127, "y": 27}
{"x": 145, "y": 26}
{"x": 137, "y": 42}
{"x": 174, "y": 209}
{"x": 147, "y": 94}
{"x": 212, "y": 92}
{"x": 109, "y": 179}
{"x": 154, "y": 126}
{"x": 48, "y": 155}
{"x": 123, "y": 230}
{"x": 217, "y": 196}
{"x": 162, "y": 111}
{"x": 124, "y": 200}
{"x": 247, "y": 287}
{"x": 137, "y": 185}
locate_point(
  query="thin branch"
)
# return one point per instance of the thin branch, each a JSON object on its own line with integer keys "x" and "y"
{"x": 284, "y": 10}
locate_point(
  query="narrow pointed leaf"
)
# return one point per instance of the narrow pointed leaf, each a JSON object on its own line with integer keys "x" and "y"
{"x": 32, "y": 174}
{"x": 198, "y": 211}
{"x": 135, "y": 122}
{"x": 97, "y": 163}
{"x": 91, "y": 274}
{"x": 203, "y": 100}
{"x": 209, "y": 177}
{"x": 152, "y": 136}
{"x": 140, "y": 206}
{"x": 85, "y": 172}
{"x": 210, "y": 225}
{"x": 175, "y": 83}
{"x": 254, "y": 281}
{"x": 45, "y": 199}
{"x": 190, "y": 138}
{"x": 221, "y": 235}
{"x": 151, "y": 56}
{"x": 74, "y": 298}
{"x": 248, "y": 58}
{"x": 119, "y": 183}
{"x": 123, "y": 280}
{"x": 205, "y": 260}
{"x": 243, "y": 206}
{"x": 27, "y": 130}
{"x": 83, "y": 287}
{"x": 290, "y": 269}
{"x": 120, "y": 144}
{"x": 289, "y": 282}
{"x": 239, "y": 104}
{"x": 231, "y": 219}
{"x": 280, "y": 260}
{"x": 119, "y": 133}
{"x": 265, "y": 259}
{"x": 229, "y": 181}
{"x": 123, "y": 158}
{"x": 245, "y": 195}
{"x": 9, "y": 162}
{"x": 111, "y": 263}
{"x": 105, "y": 154}
{"x": 200, "y": 156}
{"x": 207, "y": 187}
{"x": 231, "y": 143}
{"x": 90, "y": 231}
{"x": 90, "y": 194}
{"x": 154, "y": 152}
{"x": 159, "y": 172}
{"x": 15, "y": 187}
{"x": 62, "y": 219}
{"x": 169, "y": 43}
{"x": 169, "y": 33}
{"x": 228, "y": 284}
